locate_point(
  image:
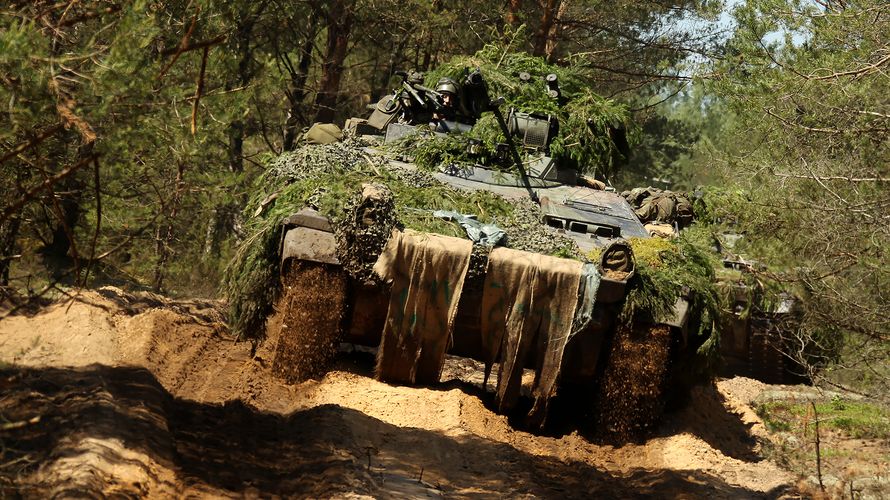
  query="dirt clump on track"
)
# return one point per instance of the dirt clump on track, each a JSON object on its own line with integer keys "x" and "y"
{"x": 137, "y": 395}
{"x": 312, "y": 304}
{"x": 636, "y": 369}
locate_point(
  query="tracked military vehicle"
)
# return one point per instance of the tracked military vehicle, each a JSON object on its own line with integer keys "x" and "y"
{"x": 757, "y": 333}
{"x": 507, "y": 308}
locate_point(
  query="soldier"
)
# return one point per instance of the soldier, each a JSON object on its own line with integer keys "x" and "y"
{"x": 446, "y": 115}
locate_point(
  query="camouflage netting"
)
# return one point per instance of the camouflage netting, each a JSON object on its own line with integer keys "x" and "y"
{"x": 595, "y": 133}
{"x": 367, "y": 222}
{"x": 526, "y": 232}
{"x": 330, "y": 179}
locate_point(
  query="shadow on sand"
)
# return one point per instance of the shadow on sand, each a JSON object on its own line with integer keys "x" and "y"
{"x": 235, "y": 449}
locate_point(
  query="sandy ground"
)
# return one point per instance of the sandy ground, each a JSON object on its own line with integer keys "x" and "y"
{"x": 114, "y": 394}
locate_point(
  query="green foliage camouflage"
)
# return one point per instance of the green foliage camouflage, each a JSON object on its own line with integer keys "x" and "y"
{"x": 669, "y": 269}
{"x": 587, "y": 121}
{"x": 326, "y": 177}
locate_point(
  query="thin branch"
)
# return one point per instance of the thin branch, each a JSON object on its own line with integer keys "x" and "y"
{"x": 199, "y": 90}
{"x": 769, "y": 111}
{"x": 41, "y": 293}
{"x": 90, "y": 15}
{"x": 670, "y": 96}
{"x": 834, "y": 178}
{"x": 86, "y": 273}
{"x": 182, "y": 44}
{"x": 51, "y": 8}
{"x": 655, "y": 76}
{"x": 825, "y": 187}
{"x": 263, "y": 131}
{"x": 854, "y": 72}
{"x": 67, "y": 9}
{"x": 130, "y": 237}
{"x": 18, "y": 425}
{"x": 776, "y": 62}
{"x": 42, "y": 136}
{"x": 49, "y": 182}
{"x": 219, "y": 92}
{"x": 196, "y": 45}
{"x": 873, "y": 113}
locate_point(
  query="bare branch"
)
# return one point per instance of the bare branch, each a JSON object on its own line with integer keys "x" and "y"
{"x": 46, "y": 184}
{"x": 42, "y": 136}
{"x": 97, "y": 185}
{"x": 197, "y": 45}
{"x": 65, "y": 107}
{"x": 90, "y": 15}
{"x": 854, "y": 72}
{"x": 199, "y": 90}
{"x": 833, "y": 178}
{"x": 182, "y": 44}
{"x": 216, "y": 93}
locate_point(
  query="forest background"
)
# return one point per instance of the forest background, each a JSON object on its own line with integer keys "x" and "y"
{"x": 132, "y": 131}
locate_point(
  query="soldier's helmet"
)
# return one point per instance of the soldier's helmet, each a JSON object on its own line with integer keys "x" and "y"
{"x": 446, "y": 85}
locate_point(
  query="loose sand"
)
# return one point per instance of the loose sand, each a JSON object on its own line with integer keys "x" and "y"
{"x": 140, "y": 395}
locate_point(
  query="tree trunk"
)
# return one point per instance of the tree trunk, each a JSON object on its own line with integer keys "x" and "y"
{"x": 512, "y": 19}
{"x": 244, "y": 33}
{"x": 297, "y": 93}
{"x": 427, "y": 53}
{"x": 339, "y": 24}
{"x": 9, "y": 231}
{"x": 60, "y": 253}
{"x": 70, "y": 213}
{"x": 383, "y": 86}
{"x": 222, "y": 221}
{"x": 544, "y": 32}
{"x": 164, "y": 234}
{"x": 236, "y": 146}
{"x": 554, "y": 36}
{"x": 430, "y": 46}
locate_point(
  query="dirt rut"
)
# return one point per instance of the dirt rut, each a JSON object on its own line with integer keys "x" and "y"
{"x": 157, "y": 400}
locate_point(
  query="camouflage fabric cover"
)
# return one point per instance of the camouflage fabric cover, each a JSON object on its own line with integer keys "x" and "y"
{"x": 656, "y": 205}
{"x": 660, "y": 229}
{"x": 529, "y": 302}
{"x": 426, "y": 272}
{"x": 323, "y": 133}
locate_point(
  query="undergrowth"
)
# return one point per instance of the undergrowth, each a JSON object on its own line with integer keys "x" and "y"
{"x": 853, "y": 443}
{"x": 855, "y": 419}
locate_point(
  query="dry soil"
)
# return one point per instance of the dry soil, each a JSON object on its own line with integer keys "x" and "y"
{"x": 116, "y": 394}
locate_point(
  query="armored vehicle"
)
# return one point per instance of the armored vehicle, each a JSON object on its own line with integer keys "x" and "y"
{"x": 510, "y": 309}
{"x": 756, "y": 333}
